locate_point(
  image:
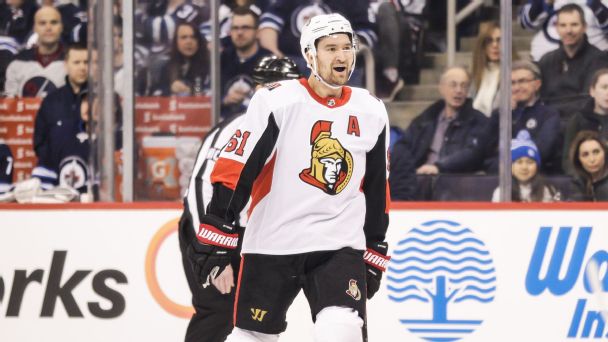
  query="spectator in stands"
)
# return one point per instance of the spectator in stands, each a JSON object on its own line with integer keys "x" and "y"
{"x": 399, "y": 27}
{"x": 156, "y": 27}
{"x": 531, "y": 114}
{"x": 446, "y": 138}
{"x": 567, "y": 71}
{"x": 155, "y": 30}
{"x": 541, "y": 16}
{"x": 187, "y": 72}
{"x": 17, "y": 19}
{"x": 528, "y": 185}
{"x": 225, "y": 18}
{"x": 588, "y": 157}
{"x": 60, "y": 140}
{"x": 239, "y": 60}
{"x": 282, "y": 36}
{"x": 6, "y": 168}
{"x": 72, "y": 15}
{"x": 486, "y": 68}
{"x": 593, "y": 116}
{"x": 37, "y": 71}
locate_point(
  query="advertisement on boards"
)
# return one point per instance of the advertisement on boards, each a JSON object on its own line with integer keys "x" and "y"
{"x": 473, "y": 275}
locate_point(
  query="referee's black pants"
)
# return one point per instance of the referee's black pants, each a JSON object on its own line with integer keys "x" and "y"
{"x": 213, "y": 317}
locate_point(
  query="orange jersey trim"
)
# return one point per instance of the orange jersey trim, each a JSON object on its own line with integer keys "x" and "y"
{"x": 227, "y": 172}
{"x": 342, "y": 100}
{"x": 388, "y": 199}
{"x": 263, "y": 183}
{"x": 238, "y": 289}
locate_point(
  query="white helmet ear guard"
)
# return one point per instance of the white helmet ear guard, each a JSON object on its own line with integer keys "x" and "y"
{"x": 322, "y": 26}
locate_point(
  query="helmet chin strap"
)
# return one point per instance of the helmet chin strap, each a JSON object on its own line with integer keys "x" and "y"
{"x": 313, "y": 67}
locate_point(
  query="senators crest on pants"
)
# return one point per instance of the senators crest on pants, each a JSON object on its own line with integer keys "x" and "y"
{"x": 331, "y": 165}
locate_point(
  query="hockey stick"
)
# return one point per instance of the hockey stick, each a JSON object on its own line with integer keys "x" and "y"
{"x": 601, "y": 295}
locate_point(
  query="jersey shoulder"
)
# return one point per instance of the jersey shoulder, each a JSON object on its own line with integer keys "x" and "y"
{"x": 27, "y": 55}
{"x": 367, "y": 102}
{"x": 5, "y": 151}
{"x": 281, "y": 94}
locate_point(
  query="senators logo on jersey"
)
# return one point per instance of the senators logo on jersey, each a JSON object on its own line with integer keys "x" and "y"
{"x": 331, "y": 165}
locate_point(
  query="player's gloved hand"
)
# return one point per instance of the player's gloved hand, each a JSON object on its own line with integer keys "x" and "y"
{"x": 376, "y": 259}
{"x": 212, "y": 249}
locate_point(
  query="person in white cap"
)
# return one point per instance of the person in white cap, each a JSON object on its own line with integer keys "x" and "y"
{"x": 312, "y": 154}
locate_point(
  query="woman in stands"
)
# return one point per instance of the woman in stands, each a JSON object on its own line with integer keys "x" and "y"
{"x": 486, "y": 68}
{"x": 187, "y": 71}
{"x": 592, "y": 117}
{"x": 528, "y": 184}
{"x": 588, "y": 157}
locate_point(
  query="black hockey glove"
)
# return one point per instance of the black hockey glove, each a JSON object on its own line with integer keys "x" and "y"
{"x": 212, "y": 249}
{"x": 376, "y": 260}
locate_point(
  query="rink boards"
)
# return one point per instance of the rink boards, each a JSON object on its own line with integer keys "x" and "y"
{"x": 459, "y": 272}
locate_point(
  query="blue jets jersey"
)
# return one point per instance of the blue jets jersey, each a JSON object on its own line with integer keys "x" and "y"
{"x": 61, "y": 141}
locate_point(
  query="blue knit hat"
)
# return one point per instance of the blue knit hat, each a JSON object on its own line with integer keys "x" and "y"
{"x": 523, "y": 146}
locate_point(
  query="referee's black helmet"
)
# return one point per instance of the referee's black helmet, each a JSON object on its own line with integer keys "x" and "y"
{"x": 272, "y": 69}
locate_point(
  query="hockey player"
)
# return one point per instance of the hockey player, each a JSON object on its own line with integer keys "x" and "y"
{"x": 313, "y": 155}
{"x": 213, "y": 299}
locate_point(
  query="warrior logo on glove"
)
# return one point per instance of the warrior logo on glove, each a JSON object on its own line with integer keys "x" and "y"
{"x": 211, "y": 250}
{"x": 212, "y": 236}
{"x": 331, "y": 165}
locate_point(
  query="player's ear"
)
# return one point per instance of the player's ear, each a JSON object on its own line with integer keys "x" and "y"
{"x": 309, "y": 57}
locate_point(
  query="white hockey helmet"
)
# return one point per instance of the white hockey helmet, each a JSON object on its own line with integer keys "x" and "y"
{"x": 324, "y": 25}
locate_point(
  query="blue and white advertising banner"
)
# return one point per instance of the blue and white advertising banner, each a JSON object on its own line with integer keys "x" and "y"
{"x": 455, "y": 275}
{"x": 492, "y": 276}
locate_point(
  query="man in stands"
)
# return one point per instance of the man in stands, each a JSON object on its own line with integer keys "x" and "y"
{"x": 37, "y": 71}
{"x": 60, "y": 139}
{"x": 530, "y": 114}
{"x": 540, "y": 16}
{"x": 72, "y": 14}
{"x": 446, "y": 138}
{"x": 238, "y": 61}
{"x": 567, "y": 71}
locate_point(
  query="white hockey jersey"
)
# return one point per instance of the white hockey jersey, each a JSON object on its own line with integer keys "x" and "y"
{"x": 26, "y": 77}
{"x": 316, "y": 169}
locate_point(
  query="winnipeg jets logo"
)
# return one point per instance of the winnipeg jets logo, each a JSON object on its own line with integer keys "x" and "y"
{"x": 37, "y": 86}
{"x": 72, "y": 172}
